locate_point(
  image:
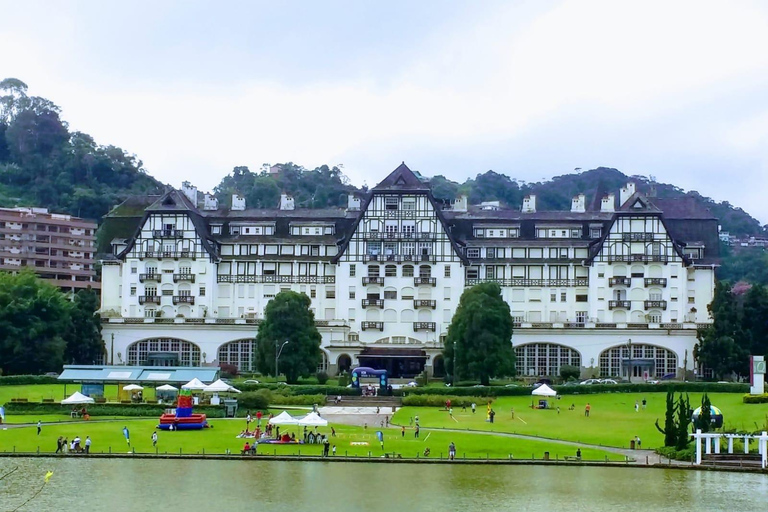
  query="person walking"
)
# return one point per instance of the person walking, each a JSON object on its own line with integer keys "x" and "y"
{"x": 587, "y": 409}
{"x": 645, "y": 402}
{"x": 474, "y": 407}
{"x": 637, "y": 406}
{"x": 127, "y": 435}
{"x": 334, "y": 450}
{"x": 402, "y": 431}
{"x": 39, "y": 427}
{"x": 638, "y": 443}
{"x": 59, "y": 442}
{"x": 416, "y": 432}
{"x": 154, "y": 439}
{"x": 451, "y": 451}
{"x": 87, "y": 444}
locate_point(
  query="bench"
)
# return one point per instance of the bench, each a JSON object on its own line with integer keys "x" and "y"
{"x": 20, "y": 400}
{"x": 567, "y": 457}
{"x": 100, "y": 400}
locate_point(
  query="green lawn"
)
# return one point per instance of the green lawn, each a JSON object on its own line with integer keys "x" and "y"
{"x": 612, "y": 422}
{"x": 109, "y": 435}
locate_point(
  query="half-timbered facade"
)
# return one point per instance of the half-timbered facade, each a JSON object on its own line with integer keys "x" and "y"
{"x": 618, "y": 290}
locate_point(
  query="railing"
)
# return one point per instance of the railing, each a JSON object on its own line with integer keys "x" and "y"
{"x": 430, "y": 281}
{"x": 655, "y": 304}
{"x": 379, "y": 303}
{"x": 619, "y": 304}
{"x": 655, "y": 281}
{"x": 277, "y": 279}
{"x": 620, "y": 281}
{"x": 637, "y": 237}
{"x": 642, "y": 258}
{"x": 370, "y": 257}
{"x": 366, "y": 326}
{"x": 167, "y": 254}
{"x": 373, "y": 280}
{"x": 150, "y": 277}
{"x": 519, "y": 281}
{"x": 183, "y": 299}
{"x": 424, "y": 326}
{"x": 167, "y": 233}
{"x": 424, "y": 303}
{"x": 183, "y": 277}
{"x": 149, "y": 299}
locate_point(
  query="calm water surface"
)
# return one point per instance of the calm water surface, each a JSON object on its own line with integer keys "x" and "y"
{"x": 190, "y": 486}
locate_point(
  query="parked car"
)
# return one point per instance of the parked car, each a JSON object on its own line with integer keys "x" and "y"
{"x": 608, "y": 381}
{"x": 590, "y": 381}
{"x": 251, "y": 381}
{"x": 512, "y": 385}
{"x": 653, "y": 381}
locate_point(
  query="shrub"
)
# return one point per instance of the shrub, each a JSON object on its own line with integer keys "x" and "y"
{"x": 671, "y": 453}
{"x": 321, "y": 377}
{"x": 132, "y": 410}
{"x": 344, "y": 380}
{"x": 422, "y": 379}
{"x": 439, "y": 401}
{"x": 298, "y": 400}
{"x": 755, "y": 399}
{"x": 568, "y": 372}
{"x": 252, "y": 401}
{"x": 17, "y": 380}
{"x": 228, "y": 371}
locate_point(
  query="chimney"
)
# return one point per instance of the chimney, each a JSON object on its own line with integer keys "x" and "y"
{"x": 238, "y": 202}
{"x": 286, "y": 202}
{"x": 461, "y": 203}
{"x": 627, "y": 191}
{"x": 353, "y": 203}
{"x": 529, "y": 204}
{"x": 606, "y": 205}
{"x": 211, "y": 203}
{"x": 190, "y": 191}
{"x": 579, "y": 204}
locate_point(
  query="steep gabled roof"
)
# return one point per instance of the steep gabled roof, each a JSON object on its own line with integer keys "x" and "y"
{"x": 172, "y": 201}
{"x": 637, "y": 202}
{"x": 401, "y": 178}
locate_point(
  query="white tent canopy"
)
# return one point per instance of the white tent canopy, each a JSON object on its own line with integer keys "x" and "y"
{"x": 284, "y": 419}
{"x": 77, "y": 398}
{"x": 132, "y": 387}
{"x": 313, "y": 420}
{"x": 166, "y": 387}
{"x": 544, "y": 390}
{"x": 220, "y": 387}
{"x": 194, "y": 385}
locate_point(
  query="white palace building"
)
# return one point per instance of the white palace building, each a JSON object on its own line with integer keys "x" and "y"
{"x": 618, "y": 290}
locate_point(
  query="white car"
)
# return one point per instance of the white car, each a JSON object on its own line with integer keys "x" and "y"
{"x": 608, "y": 381}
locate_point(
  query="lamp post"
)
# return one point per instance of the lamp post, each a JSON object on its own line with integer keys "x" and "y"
{"x": 455, "y": 379}
{"x": 278, "y": 351}
{"x": 629, "y": 361}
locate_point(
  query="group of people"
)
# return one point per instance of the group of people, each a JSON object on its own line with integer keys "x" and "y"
{"x": 63, "y": 445}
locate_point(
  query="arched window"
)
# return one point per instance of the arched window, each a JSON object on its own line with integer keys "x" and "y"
{"x": 240, "y": 353}
{"x": 373, "y": 271}
{"x": 343, "y": 363}
{"x": 425, "y": 271}
{"x": 390, "y": 271}
{"x": 438, "y": 366}
{"x": 407, "y": 270}
{"x": 657, "y": 361}
{"x": 544, "y": 359}
{"x": 163, "y": 352}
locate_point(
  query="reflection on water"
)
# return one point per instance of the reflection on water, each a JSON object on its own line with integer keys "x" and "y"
{"x": 115, "y": 485}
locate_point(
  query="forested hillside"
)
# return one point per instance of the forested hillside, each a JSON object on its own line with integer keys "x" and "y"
{"x": 43, "y": 164}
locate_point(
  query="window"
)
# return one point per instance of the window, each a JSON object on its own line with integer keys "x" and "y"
{"x": 312, "y": 293}
{"x": 407, "y": 270}
{"x": 390, "y": 294}
{"x": 581, "y": 316}
{"x": 473, "y": 252}
{"x": 149, "y": 313}
{"x": 409, "y": 248}
{"x": 409, "y": 204}
{"x": 490, "y": 252}
{"x": 202, "y": 291}
{"x": 150, "y": 291}
{"x": 390, "y": 271}
{"x": 473, "y": 273}
{"x": 595, "y": 232}
{"x": 425, "y": 271}
{"x": 134, "y": 270}
{"x": 351, "y": 293}
{"x": 352, "y": 270}
{"x": 563, "y": 296}
{"x": 537, "y": 359}
{"x": 215, "y": 230}
{"x": 447, "y": 271}
{"x": 552, "y": 297}
{"x": 581, "y": 298}
{"x": 390, "y": 203}
{"x": 133, "y": 291}
{"x": 373, "y": 271}
{"x": 330, "y": 293}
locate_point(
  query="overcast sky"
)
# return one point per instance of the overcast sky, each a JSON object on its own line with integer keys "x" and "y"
{"x": 532, "y": 89}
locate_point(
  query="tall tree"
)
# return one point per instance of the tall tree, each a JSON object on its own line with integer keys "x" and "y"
{"x": 288, "y": 318}
{"x": 722, "y": 345}
{"x": 704, "y": 421}
{"x": 756, "y": 319}
{"x": 670, "y": 430}
{"x": 84, "y": 342}
{"x": 480, "y": 334}
{"x": 34, "y": 316}
{"x": 683, "y": 421}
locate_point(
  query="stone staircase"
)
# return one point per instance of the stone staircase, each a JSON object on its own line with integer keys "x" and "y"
{"x": 366, "y": 401}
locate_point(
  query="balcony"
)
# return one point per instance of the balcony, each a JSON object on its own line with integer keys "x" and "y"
{"x": 620, "y": 281}
{"x": 640, "y": 258}
{"x": 156, "y": 277}
{"x": 367, "y": 326}
{"x": 655, "y": 281}
{"x": 422, "y": 303}
{"x": 655, "y": 304}
{"x": 184, "y": 278}
{"x": 183, "y": 299}
{"x": 619, "y": 304}
{"x": 373, "y": 303}
{"x": 167, "y": 254}
{"x": 167, "y": 233}
{"x": 429, "y": 281}
{"x": 424, "y": 326}
{"x": 370, "y": 257}
{"x": 373, "y": 280}
{"x": 637, "y": 237}
{"x": 149, "y": 299}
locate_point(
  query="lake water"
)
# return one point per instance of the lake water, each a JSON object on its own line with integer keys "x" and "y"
{"x": 116, "y": 485}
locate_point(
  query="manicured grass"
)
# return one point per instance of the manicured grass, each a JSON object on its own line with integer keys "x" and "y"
{"x": 223, "y": 437}
{"x": 612, "y": 422}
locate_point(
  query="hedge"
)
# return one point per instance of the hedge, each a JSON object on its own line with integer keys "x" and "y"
{"x": 755, "y": 399}
{"x": 301, "y": 389}
{"x": 671, "y": 453}
{"x": 18, "y": 380}
{"x": 439, "y": 401}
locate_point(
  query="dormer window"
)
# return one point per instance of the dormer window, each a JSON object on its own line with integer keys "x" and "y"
{"x": 215, "y": 230}
{"x": 390, "y": 203}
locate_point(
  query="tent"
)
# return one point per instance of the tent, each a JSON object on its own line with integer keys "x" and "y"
{"x": 132, "y": 387}
{"x": 313, "y": 420}
{"x": 544, "y": 390}
{"x": 166, "y": 387}
{"x": 194, "y": 385}
{"x": 284, "y": 419}
{"x": 220, "y": 387}
{"x": 77, "y": 398}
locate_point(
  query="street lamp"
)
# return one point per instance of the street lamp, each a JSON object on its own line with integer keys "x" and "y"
{"x": 278, "y": 351}
{"x": 629, "y": 361}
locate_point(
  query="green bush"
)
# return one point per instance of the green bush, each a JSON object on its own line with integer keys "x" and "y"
{"x": 755, "y": 399}
{"x": 344, "y": 380}
{"x": 439, "y": 401}
{"x": 267, "y": 394}
{"x": 322, "y": 378}
{"x": 298, "y": 400}
{"x": 253, "y": 401}
{"x": 20, "y": 380}
{"x": 568, "y": 372}
{"x": 95, "y": 410}
{"x": 671, "y": 453}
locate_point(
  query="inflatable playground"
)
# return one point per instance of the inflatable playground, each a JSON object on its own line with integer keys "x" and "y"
{"x": 183, "y": 418}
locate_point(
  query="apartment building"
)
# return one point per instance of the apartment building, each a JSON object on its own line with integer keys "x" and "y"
{"x": 58, "y": 248}
{"x": 618, "y": 290}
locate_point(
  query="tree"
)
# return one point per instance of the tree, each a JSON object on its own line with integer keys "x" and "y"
{"x": 34, "y": 317}
{"x": 683, "y": 421}
{"x": 670, "y": 430}
{"x": 756, "y": 319}
{"x": 481, "y": 331}
{"x": 568, "y": 372}
{"x": 84, "y": 342}
{"x": 704, "y": 421}
{"x": 722, "y": 345}
{"x": 288, "y": 318}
